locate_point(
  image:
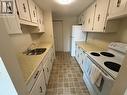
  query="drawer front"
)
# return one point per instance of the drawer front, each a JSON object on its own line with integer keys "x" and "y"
{"x": 34, "y": 78}
{"x": 39, "y": 88}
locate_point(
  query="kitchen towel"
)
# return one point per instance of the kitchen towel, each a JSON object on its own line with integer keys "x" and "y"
{"x": 95, "y": 75}
{"x": 99, "y": 80}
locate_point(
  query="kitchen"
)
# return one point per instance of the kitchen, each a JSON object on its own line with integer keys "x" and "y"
{"x": 32, "y": 36}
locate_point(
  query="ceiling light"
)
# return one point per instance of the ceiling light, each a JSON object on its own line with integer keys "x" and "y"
{"x": 64, "y": 2}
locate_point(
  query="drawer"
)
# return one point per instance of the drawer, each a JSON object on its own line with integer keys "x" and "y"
{"x": 33, "y": 78}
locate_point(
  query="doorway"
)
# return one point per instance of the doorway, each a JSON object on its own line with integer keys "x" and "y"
{"x": 58, "y": 35}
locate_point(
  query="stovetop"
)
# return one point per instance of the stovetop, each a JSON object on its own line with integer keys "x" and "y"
{"x": 110, "y": 62}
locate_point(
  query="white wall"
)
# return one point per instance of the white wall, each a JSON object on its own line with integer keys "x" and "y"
{"x": 21, "y": 41}
{"x": 67, "y": 29}
{"x": 48, "y": 35}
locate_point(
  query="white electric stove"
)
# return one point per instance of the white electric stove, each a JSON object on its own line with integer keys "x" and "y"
{"x": 108, "y": 63}
{"x": 111, "y": 60}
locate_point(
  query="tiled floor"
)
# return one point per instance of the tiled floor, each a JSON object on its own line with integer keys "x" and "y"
{"x": 66, "y": 77}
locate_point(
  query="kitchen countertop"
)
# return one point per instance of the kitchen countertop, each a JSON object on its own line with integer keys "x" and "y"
{"x": 29, "y": 63}
{"x": 89, "y": 47}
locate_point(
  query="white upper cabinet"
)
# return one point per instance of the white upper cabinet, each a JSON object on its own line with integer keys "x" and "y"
{"x": 13, "y": 28}
{"x": 89, "y": 18}
{"x": 117, "y": 8}
{"x": 33, "y": 11}
{"x": 40, "y": 20}
{"x": 80, "y": 19}
{"x": 101, "y": 15}
{"x": 23, "y": 10}
{"x": 96, "y": 18}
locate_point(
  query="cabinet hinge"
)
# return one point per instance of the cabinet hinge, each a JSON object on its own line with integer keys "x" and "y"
{"x": 95, "y": 5}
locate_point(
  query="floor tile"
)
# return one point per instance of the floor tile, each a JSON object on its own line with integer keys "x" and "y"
{"x": 66, "y": 77}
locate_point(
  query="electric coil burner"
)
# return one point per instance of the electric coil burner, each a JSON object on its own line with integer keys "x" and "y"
{"x": 112, "y": 65}
{"x": 107, "y": 54}
{"x": 95, "y": 54}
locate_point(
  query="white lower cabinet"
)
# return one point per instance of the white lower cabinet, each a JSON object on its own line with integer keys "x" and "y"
{"x": 39, "y": 88}
{"x": 39, "y": 81}
{"x": 34, "y": 78}
{"x": 76, "y": 52}
{"x": 47, "y": 69}
{"x": 79, "y": 56}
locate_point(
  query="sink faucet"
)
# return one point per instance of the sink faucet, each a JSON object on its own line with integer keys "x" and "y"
{"x": 30, "y": 47}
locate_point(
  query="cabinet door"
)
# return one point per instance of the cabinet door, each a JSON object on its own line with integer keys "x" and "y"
{"x": 33, "y": 11}
{"x": 13, "y": 28}
{"x": 46, "y": 72}
{"x": 78, "y": 55}
{"x": 39, "y": 87}
{"x": 90, "y": 13}
{"x": 117, "y": 6}
{"x": 40, "y": 20}
{"x": 101, "y": 15}
{"x": 84, "y": 62}
{"x": 23, "y": 10}
{"x": 80, "y": 19}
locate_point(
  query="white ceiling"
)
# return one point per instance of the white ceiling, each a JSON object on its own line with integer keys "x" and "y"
{"x": 74, "y": 9}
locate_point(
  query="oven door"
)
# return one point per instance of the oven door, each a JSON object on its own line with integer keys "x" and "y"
{"x": 86, "y": 64}
{"x": 104, "y": 81}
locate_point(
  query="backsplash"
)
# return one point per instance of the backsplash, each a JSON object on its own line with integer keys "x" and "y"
{"x": 103, "y": 39}
{"x": 21, "y": 41}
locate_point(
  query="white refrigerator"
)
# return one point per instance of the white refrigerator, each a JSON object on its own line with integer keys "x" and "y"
{"x": 77, "y": 35}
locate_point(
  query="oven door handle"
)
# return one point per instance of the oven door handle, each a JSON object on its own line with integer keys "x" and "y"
{"x": 104, "y": 74}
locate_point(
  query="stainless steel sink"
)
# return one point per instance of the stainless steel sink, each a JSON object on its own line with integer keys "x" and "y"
{"x": 36, "y": 51}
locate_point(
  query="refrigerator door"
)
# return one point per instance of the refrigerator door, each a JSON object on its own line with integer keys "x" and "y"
{"x": 77, "y": 35}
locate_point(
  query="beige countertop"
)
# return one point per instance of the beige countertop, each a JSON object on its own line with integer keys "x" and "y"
{"x": 89, "y": 46}
{"x": 29, "y": 63}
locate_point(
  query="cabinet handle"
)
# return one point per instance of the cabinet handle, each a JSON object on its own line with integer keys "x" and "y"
{"x": 36, "y": 75}
{"x": 118, "y": 3}
{"x": 41, "y": 91}
{"x": 24, "y": 7}
{"x": 40, "y": 21}
{"x": 89, "y": 20}
{"x": 99, "y": 17}
{"x": 34, "y": 13}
